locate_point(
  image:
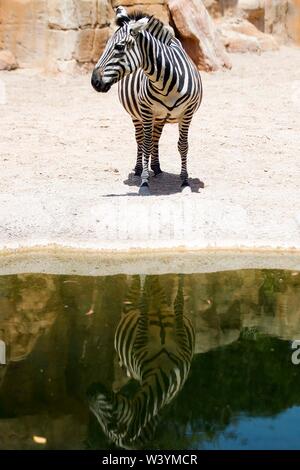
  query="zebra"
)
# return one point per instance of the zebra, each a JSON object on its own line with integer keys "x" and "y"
{"x": 155, "y": 345}
{"x": 158, "y": 84}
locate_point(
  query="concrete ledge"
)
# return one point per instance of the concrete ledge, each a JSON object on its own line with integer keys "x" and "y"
{"x": 56, "y": 260}
{"x": 81, "y": 220}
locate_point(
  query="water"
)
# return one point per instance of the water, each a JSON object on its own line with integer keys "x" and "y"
{"x": 209, "y": 359}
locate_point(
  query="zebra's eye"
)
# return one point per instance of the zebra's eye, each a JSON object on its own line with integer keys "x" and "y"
{"x": 120, "y": 47}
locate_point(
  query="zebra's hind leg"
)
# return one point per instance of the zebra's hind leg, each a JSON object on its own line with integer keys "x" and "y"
{"x": 147, "y": 148}
{"x": 183, "y": 147}
{"x": 139, "y": 137}
{"x": 157, "y": 131}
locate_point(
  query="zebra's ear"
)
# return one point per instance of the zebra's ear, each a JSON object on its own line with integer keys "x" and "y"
{"x": 138, "y": 26}
{"x": 121, "y": 16}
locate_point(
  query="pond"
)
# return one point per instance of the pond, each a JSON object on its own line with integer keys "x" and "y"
{"x": 194, "y": 361}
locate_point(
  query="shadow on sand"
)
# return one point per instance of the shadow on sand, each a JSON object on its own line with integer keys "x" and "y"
{"x": 162, "y": 185}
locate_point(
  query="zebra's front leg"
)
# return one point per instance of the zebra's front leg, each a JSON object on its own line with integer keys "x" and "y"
{"x": 139, "y": 137}
{"x": 147, "y": 148}
{"x": 155, "y": 165}
{"x": 183, "y": 147}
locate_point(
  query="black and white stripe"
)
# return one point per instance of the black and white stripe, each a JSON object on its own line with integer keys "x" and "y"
{"x": 158, "y": 84}
{"x": 155, "y": 346}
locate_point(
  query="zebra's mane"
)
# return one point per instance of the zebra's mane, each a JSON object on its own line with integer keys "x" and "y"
{"x": 155, "y": 27}
{"x": 134, "y": 16}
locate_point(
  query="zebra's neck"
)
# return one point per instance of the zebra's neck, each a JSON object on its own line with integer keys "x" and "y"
{"x": 159, "y": 31}
{"x": 156, "y": 60}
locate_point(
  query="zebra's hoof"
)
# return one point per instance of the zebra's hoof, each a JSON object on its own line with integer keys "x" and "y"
{"x": 185, "y": 188}
{"x": 144, "y": 190}
{"x": 156, "y": 170}
{"x": 138, "y": 171}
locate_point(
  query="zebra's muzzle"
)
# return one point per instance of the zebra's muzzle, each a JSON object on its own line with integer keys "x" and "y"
{"x": 98, "y": 83}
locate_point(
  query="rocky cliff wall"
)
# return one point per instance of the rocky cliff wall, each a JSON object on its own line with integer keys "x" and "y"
{"x": 62, "y": 34}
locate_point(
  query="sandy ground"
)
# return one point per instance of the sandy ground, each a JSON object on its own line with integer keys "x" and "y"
{"x": 67, "y": 154}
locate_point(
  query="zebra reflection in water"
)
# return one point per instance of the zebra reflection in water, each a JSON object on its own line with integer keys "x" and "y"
{"x": 155, "y": 344}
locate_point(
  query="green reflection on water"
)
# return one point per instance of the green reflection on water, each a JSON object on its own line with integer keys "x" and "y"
{"x": 200, "y": 350}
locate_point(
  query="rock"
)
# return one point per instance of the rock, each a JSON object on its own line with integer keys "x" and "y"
{"x": 101, "y": 37}
{"x": 67, "y": 66}
{"x": 28, "y": 28}
{"x": 239, "y": 42}
{"x": 33, "y": 313}
{"x": 17, "y": 12}
{"x": 84, "y": 45}
{"x": 105, "y": 12}
{"x": 62, "y": 44}
{"x": 63, "y": 15}
{"x": 239, "y": 35}
{"x": 217, "y": 8}
{"x": 228, "y": 7}
{"x": 7, "y": 61}
{"x": 213, "y": 7}
{"x": 44, "y": 33}
{"x": 137, "y": 3}
{"x": 282, "y": 18}
{"x": 72, "y": 14}
{"x": 251, "y": 4}
{"x": 293, "y": 20}
{"x": 198, "y": 34}
{"x": 275, "y": 18}
{"x": 23, "y": 30}
{"x": 159, "y": 11}
{"x": 87, "y": 12}
{"x": 254, "y": 11}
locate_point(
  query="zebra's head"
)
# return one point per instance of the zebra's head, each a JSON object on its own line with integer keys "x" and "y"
{"x": 121, "y": 56}
{"x": 112, "y": 411}
{"x": 117, "y": 416}
{"x": 104, "y": 406}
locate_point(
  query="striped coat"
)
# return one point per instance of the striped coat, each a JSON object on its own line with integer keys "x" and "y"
{"x": 158, "y": 84}
{"x": 155, "y": 345}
